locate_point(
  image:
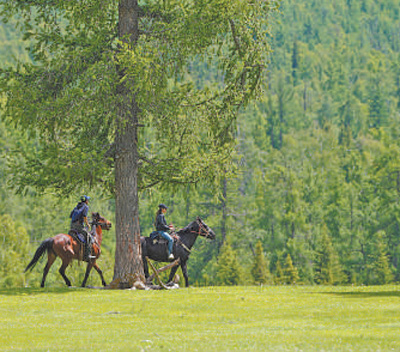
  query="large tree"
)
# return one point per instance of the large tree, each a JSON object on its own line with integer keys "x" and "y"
{"x": 111, "y": 101}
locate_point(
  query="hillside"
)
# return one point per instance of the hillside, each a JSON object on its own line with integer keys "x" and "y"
{"x": 318, "y": 157}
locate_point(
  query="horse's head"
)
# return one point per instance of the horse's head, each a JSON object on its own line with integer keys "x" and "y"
{"x": 97, "y": 219}
{"x": 204, "y": 230}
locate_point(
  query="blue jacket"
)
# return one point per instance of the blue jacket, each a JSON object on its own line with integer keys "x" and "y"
{"x": 79, "y": 212}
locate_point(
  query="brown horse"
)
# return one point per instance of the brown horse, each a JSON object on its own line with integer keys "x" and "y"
{"x": 68, "y": 248}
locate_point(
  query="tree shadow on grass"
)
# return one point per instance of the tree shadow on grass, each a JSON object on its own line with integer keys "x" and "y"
{"x": 359, "y": 294}
{"x": 31, "y": 291}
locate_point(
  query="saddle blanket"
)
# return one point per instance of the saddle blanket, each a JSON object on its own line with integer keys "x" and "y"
{"x": 77, "y": 236}
{"x": 156, "y": 238}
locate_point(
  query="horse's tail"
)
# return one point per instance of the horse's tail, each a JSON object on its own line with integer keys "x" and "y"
{"x": 46, "y": 245}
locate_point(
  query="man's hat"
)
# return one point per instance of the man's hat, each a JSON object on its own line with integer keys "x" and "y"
{"x": 85, "y": 198}
{"x": 162, "y": 206}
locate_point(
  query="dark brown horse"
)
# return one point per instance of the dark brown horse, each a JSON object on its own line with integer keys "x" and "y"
{"x": 68, "y": 248}
{"x": 184, "y": 241}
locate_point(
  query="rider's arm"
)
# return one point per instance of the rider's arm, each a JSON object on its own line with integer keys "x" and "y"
{"x": 162, "y": 224}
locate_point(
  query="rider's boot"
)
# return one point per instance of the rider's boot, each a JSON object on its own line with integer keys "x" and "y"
{"x": 88, "y": 251}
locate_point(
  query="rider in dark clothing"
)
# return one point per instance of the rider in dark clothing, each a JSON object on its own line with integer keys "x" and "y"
{"x": 163, "y": 228}
{"x": 79, "y": 220}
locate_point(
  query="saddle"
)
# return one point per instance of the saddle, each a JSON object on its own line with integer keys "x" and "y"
{"x": 79, "y": 236}
{"x": 156, "y": 238}
{"x": 82, "y": 241}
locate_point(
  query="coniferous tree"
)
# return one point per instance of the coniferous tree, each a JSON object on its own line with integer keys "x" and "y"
{"x": 381, "y": 272}
{"x": 229, "y": 271}
{"x": 290, "y": 272}
{"x": 279, "y": 277}
{"x": 327, "y": 267}
{"x": 260, "y": 270}
{"x": 107, "y": 76}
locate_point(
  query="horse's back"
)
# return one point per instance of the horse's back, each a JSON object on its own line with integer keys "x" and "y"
{"x": 63, "y": 238}
{"x": 157, "y": 252}
{"x": 64, "y": 243}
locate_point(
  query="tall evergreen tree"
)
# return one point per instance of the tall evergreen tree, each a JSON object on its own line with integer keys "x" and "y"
{"x": 290, "y": 272}
{"x": 381, "y": 273}
{"x": 327, "y": 267}
{"x": 106, "y": 74}
{"x": 260, "y": 270}
{"x": 229, "y": 271}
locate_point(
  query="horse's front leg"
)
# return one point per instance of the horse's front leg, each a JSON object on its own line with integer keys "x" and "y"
{"x": 88, "y": 269}
{"x": 100, "y": 273}
{"x": 144, "y": 260}
{"x": 172, "y": 273}
{"x": 184, "y": 272}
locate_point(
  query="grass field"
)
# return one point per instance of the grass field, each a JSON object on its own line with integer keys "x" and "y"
{"x": 202, "y": 319}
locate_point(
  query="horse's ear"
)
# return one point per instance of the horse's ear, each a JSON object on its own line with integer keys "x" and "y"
{"x": 95, "y": 215}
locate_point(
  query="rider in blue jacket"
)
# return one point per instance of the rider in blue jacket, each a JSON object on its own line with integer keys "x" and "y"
{"x": 79, "y": 220}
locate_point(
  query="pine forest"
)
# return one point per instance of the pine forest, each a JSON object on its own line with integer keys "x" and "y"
{"x": 311, "y": 192}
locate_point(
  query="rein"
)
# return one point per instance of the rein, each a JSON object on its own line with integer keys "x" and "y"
{"x": 178, "y": 239}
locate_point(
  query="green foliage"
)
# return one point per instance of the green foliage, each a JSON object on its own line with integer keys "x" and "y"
{"x": 380, "y": 272}
{"x": 13, "y": 252}
{"x": 290, "y": 273}
{"x": 228, "y": 270}
{"x": 260, "y": 270}
{"x": 317, "y": 171}
{"x": 279, "y": 278}
{"x": 67, "y": 98}
{"x": 327, "y": 266}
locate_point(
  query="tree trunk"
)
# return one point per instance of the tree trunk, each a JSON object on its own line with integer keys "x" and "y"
{"x": 224, "y": 213}
{"x": 128, "y": 260}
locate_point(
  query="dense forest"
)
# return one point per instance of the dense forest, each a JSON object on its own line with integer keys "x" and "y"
{"x": 316, "y": 194}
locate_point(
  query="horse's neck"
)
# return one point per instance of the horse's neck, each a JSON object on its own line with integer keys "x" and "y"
{"x": 188, "y": 238}
{"x": 98, "y": 234}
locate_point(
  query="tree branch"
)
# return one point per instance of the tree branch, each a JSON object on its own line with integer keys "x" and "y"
{"x": 235, "y": 37}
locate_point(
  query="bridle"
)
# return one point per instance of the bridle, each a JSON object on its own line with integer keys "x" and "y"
{"x": 202, "y": 229}
{"x": 103, "y": 225}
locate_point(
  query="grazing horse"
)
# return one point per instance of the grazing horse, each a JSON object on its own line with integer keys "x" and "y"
{"x": 186, "y": 238}
{"x": 67, "y": 248}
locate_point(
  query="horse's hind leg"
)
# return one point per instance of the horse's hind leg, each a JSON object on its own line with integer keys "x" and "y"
{"x": 145, "y": 267}
{"x": 51, "y": 257}
{"x": 64, "y": 266}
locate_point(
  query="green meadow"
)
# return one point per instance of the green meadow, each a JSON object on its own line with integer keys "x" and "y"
{"x": 272, "y": 318}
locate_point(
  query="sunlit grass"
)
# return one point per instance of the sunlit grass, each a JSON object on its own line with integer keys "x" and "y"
{"x": 202, "y": 319}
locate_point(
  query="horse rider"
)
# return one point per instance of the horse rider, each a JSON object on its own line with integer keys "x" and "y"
{"x": 78, "y": 220}
{"x": 163, "y": 229}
